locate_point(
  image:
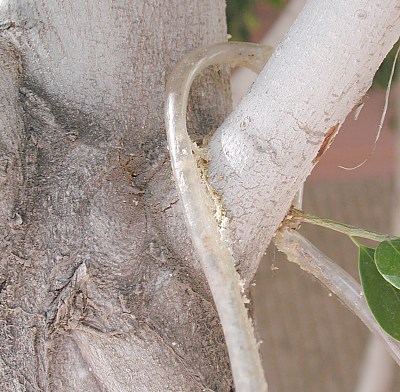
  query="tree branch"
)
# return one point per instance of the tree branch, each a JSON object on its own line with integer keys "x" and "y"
{"x": 213, "y": 252}
{"x": 302, "y": 252}
{"x": 265, "y": 150}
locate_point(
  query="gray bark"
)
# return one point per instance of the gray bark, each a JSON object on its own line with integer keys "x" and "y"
{"x": 264, "y": 151}
{"x": 99, "y": 287}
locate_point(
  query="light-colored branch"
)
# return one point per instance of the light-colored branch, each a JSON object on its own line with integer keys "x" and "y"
{"x": 269, "y": 145}
{"x": 243, "y": 78}
{"x": 213, "y": 252}
{"x": 303, "y": 253}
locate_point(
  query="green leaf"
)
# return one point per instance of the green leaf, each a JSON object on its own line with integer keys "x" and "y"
{"x": 382, "y": 298}
{"x": 387, "y": 259}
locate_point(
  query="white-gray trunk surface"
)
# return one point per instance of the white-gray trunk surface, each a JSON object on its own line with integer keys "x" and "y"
{"x": 99, "y": 288}
{"x": 264, "y": 151}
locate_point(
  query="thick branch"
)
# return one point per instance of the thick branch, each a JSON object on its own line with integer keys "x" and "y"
{"x": 265, "y": 150}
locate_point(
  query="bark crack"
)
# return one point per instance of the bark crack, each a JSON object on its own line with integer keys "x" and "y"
{"x": 70, "y": 305}
{"x": 170, "y": 205}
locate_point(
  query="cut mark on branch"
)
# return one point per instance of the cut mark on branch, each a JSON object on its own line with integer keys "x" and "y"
{"x": 330, "y": 135}
{"x": 385, "y": 106}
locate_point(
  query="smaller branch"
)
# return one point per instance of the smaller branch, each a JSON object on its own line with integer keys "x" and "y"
{"x": 214, "y": 253}
{"x": 303, "y": 253}
{"x": 351, "y": 231}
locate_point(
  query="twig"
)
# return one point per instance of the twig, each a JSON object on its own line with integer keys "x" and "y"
{"x": 303, "y": 253}
{"x": 351, "y": 231}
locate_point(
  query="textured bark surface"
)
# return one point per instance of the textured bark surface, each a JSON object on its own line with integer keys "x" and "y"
{"x": 99, "y": 289}
{"x": 268, "y": 146}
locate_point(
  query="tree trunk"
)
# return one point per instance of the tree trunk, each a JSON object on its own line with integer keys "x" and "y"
{"x": 100, "y": 290}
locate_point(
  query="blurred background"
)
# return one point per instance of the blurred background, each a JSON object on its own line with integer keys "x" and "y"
{"x": 311, "y": 342}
